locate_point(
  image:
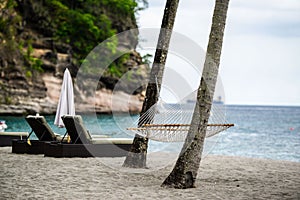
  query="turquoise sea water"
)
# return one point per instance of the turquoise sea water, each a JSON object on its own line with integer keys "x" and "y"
{"x": 271, "y": 132}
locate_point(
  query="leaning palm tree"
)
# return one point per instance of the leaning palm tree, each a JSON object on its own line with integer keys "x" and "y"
{"x": 137, "y": 155}
{"x": 186, "y": 168}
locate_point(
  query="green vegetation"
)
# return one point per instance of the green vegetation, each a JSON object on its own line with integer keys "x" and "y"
{"x": 8, "y": 19}
{"x": 78, "y": 25}
{"x": 8, "y": 22}
{"x": 7, "y": 100}
{"x": 114, "y": 70}
{"x": 34, "y": 63}
{"x": 82, "y": 24}
{"x": 146, "y": 59}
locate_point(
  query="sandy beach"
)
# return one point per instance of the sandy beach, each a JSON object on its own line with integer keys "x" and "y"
{"x": 220, "y": 177}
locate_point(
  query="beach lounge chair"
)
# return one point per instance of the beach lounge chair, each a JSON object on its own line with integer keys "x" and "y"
{"x": 83, "y": 145}
{"x": 43, "y": 132}
{"x": 42, "y": 129}
{"x": 76, "y": 129}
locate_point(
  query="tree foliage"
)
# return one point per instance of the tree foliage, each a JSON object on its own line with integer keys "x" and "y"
{"x": 82, "y": 24}
{"x": 8, "y": 22}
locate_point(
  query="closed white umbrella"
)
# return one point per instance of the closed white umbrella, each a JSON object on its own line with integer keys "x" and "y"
{"x": 66, "y": 100}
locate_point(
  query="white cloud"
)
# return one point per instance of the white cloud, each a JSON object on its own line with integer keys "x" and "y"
{"x": 261, "y": 70}
{"x": 265, "y": 18}
{"x": 260, "y": 62}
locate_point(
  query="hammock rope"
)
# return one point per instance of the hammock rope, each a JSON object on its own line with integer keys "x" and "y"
{"x": 171, "y": 122}
{"x": 175, "y": 132}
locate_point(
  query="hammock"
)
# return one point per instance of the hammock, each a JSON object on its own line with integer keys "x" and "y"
{"x": 171, "y": 122}
{"x": 174, "y": 132}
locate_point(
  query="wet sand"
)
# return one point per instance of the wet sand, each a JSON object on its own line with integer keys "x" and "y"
{"x": 220, "y": 177}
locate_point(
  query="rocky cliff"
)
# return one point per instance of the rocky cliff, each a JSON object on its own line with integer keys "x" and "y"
{"x": 33, "y": 57}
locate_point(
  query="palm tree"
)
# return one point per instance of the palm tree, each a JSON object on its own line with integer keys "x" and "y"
{"x": 186, "y": 168}
{"x": 137, "y": 155}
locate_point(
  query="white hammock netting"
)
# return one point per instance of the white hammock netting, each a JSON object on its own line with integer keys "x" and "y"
{"x": 171, "y": 122}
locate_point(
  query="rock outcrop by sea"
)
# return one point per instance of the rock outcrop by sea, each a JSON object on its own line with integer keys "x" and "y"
{"x": 35, "y": 89}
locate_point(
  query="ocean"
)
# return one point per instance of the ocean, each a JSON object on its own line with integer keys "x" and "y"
{"x": 271, "y": 132}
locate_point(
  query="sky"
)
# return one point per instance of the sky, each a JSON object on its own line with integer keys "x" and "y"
{"x": 260, "y": 62}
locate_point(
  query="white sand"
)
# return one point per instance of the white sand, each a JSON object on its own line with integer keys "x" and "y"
{"x": 220, "y": 177}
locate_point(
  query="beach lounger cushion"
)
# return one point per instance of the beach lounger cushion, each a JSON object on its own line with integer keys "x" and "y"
{"x": 79, "y": 134}
{"x": 112, "y": 141}
{"x": 76, "y": 129}
{"x": 41, "y": 128}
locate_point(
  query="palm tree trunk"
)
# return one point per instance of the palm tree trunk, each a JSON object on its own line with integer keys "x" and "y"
{"x": 137, "y": 155}
{"x": 186, "y": 168}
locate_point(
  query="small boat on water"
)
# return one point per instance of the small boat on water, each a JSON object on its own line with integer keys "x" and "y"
{"x": 3, "y": 126}
{"x": 218, "y": 101}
